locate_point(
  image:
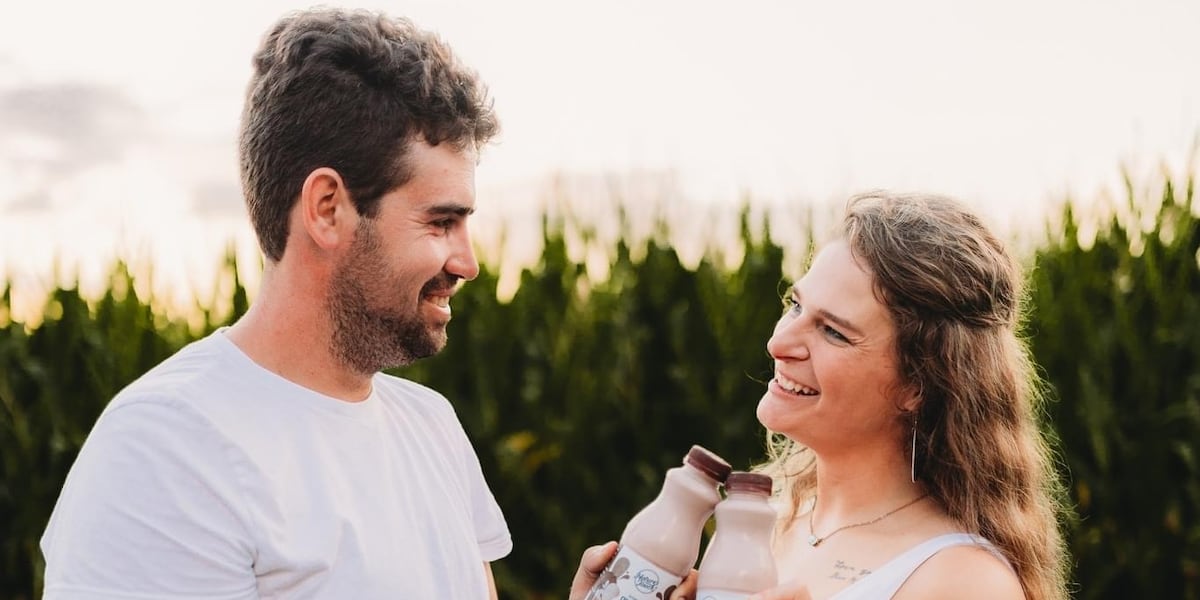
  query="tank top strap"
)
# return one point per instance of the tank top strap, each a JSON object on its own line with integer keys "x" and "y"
{"x": 885, "y": 581}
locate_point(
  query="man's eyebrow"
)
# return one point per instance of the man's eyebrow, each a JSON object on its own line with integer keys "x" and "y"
{"x": 449, "y": 208}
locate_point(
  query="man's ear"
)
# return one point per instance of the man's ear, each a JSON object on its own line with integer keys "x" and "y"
{"x": 326, "y": 210}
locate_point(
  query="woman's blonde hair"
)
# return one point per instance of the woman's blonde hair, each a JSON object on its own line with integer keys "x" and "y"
{"x": 955, "y": 296}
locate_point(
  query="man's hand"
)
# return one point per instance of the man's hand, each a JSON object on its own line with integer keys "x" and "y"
{"x": 591, "y": 564}
{"x": 593, "y": 561}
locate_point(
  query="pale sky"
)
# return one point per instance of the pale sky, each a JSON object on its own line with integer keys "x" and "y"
{"x": 118, "y": 118}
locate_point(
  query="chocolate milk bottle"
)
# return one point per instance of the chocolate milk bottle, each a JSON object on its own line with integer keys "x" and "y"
{"x": 661, "y": 542}
{"x": 738, "y": 561}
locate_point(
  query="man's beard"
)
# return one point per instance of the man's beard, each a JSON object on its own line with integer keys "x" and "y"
{"x": 366, "y": 337}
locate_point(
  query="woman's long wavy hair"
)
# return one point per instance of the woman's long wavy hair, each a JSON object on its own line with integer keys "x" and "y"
{"x": 955, "y": 295}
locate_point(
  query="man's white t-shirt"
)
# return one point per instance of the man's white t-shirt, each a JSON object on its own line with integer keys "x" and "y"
{"x": 211, "y": 477}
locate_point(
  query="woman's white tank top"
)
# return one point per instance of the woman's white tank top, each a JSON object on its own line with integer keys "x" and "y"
{"x": 884, "y": 581}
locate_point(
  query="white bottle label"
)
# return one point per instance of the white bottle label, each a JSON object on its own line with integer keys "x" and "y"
{"x": 720, "y": 595}
{"x": 629, "y": 576}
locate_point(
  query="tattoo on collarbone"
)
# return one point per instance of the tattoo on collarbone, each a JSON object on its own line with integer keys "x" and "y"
{"x": 848, "y": 573}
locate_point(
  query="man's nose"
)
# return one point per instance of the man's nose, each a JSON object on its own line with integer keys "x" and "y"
{"x": 462, "y": 262}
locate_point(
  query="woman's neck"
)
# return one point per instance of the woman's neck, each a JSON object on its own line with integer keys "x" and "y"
{"x": 862, "y": 485}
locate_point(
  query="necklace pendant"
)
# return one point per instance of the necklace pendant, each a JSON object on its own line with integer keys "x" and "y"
{"x": 814, "y": 541}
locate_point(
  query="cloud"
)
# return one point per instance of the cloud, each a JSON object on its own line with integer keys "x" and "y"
{"x": 64, "y": 127}
{"x": 218, "y": 198}
{"x": 53, "y": 131}
{"x": 32, "y": 202}
{"x": 8, "y": 70}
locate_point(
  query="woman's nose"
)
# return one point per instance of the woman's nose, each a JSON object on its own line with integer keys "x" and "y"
{"x": 790, "y": 339}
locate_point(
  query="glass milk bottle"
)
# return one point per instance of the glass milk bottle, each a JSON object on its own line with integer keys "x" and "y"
{"x": 738, "y": 562}
{"x": 661, "y": 542}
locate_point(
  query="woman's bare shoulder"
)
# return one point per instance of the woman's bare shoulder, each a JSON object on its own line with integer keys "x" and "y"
{"x": 962, "y": 572}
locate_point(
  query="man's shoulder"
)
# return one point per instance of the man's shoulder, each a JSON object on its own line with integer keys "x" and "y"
{"x": 156, "y": 417}
{"x": 392, "y": 388}
{"x": 191, "y": 366}
{"x": 406, "y": 397}
{"x": 203, "y": 385}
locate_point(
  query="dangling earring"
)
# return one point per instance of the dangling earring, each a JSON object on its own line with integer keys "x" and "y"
{"x": 912, "y": 469}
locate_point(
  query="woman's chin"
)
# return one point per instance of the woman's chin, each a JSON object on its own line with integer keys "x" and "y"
{"x": 779, "y": 412}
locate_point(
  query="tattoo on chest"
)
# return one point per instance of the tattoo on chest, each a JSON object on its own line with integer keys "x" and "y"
{"x": 849, "y": 573}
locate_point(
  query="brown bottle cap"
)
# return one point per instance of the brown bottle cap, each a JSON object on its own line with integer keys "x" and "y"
{"x": 710, "y": 464}
{"x": 742, "y": 481}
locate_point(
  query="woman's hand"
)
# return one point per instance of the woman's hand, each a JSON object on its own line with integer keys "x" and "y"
{"x": 687, "y": 588}
{"x": 593, "y": 561}
{"x": 787, "y": 591}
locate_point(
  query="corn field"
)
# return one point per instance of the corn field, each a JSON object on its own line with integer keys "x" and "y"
{"x": 580, "y": 392}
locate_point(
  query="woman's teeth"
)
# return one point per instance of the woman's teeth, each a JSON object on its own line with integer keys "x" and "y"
{"x": 794, "y": 387}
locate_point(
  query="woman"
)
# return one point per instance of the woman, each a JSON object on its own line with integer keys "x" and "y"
{"x": 903, "y": 409}
{"x": 902, "y": 412}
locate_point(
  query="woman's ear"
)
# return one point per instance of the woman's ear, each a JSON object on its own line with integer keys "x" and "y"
{"x": 911, "y": 398}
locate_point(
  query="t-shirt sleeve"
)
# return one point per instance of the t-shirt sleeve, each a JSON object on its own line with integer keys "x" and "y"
{"x": 491, "y": 530}
{"x": 150, "y": 509}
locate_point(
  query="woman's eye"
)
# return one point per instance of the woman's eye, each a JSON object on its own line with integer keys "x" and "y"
{"x": 834, "y": 334}
{"x": 790, "y": 304}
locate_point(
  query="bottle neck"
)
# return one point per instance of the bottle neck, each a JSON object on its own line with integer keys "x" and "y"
{"x": 694, "y": 489}
{"x": 739, "y": 558}
{"x": 668, "y": 530}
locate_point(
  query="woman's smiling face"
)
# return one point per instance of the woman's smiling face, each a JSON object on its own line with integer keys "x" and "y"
{"x": 836, "y": 375}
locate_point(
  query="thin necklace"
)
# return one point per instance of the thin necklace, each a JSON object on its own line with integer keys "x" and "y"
{"x": 814, "y": 540}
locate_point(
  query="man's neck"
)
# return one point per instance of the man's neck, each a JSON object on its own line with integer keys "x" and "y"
{"x": 289, "y": 335}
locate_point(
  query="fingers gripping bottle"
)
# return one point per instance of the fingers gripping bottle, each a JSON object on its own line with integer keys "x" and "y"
{"x": 661, "y": 542}
{"x": 738, "y": 562}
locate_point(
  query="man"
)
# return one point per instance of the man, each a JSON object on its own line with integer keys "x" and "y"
{"x": 272, "y": 458}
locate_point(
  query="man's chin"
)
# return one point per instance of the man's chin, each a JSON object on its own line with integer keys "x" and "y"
{"x": 434, "y": 341}
{"x": 437, "y": 341}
